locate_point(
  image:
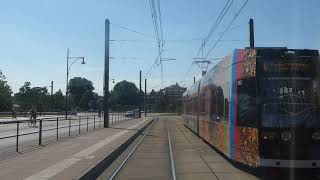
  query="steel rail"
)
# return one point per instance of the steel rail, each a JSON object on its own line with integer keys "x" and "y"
{"x": 116, "y": 172}
{"x": 173, "y": 169}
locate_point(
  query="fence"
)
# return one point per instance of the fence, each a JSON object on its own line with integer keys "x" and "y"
{"x": 73, "y": 125}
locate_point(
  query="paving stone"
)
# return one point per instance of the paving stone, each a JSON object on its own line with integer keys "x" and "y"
{"x": 196, "y": 176}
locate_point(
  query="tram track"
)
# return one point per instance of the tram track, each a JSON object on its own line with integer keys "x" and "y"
{"x": 153, "y": 134}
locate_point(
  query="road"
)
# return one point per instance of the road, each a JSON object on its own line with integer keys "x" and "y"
{"x": 30, "y": 141}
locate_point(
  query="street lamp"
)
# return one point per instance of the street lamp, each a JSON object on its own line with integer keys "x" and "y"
{"x": 68, "y": 69}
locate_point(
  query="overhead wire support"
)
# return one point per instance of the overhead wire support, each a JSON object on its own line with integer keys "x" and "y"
{"x": 157, "y": 26}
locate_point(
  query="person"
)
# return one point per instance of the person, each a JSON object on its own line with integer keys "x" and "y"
{"x": 33, "y": 116}
{"x": 99, "y": 112}
{"x": 13, "y": 113}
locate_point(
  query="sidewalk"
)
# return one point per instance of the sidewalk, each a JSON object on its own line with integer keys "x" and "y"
{"x": 72, "y": 158}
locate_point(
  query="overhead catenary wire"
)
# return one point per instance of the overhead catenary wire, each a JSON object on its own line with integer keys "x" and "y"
{"x": 156, "y": 16}
{"x": 213, "y": 28}
{"x": 220, "y": 37}
{"x": 132, "y": 30}
{"x": 227, "y": 28}
{"x": 215, "y": 25}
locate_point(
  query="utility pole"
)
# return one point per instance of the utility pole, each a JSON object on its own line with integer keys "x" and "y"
{"x": 140, "y": 80}
{"x": 106, "y": 75}
{"x": 66, "y": 103}
{"x": 194, "y": 79}
{"x": 251, "y": 33}
{"x": 68, "y": 69}
{"x": 145, "y": 97}
{"x": 140, "y": 94}
{"x": 51, "y": 96}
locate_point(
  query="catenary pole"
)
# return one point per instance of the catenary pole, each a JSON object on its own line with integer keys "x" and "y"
{"x": 106, "y": 74}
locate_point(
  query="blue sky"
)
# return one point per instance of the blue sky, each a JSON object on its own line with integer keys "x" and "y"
{"x": 35, "y": 35}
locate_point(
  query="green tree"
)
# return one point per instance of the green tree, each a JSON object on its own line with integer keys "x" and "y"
{"x": 89, "y": 100}
{"x": 123, "y": 94}
{"x": 81, "y": 92}
{"x": 37, "y": 97}
{"x": 58, "y": 101}
{"x": 5, "y": 94}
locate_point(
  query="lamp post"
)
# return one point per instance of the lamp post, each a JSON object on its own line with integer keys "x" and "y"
{"x": 68, "y": 69}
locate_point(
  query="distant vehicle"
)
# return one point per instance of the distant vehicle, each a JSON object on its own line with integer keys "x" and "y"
{"x": 129, "y": 114}
{"x": 136, "y": 113}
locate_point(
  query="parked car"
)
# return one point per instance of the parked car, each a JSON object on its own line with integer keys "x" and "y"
{"x": 129, "y": 114}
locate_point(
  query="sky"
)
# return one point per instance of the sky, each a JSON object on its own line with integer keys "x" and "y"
{"x": 35, "y": 35}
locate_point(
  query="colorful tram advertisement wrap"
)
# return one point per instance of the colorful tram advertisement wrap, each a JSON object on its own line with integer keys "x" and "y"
{"x": 260, "y": 107}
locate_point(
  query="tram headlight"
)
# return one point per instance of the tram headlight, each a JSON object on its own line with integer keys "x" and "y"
{"x": 268, "y": 135}
{"x": 286, "y": 135}
{"x": 316, "y": 135}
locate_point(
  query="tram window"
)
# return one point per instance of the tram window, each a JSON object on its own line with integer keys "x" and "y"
{"x": 247, "y": 105}
{"x": 226, "y": 108}
{"x": 281, "y": 90}
{"x": 203, "y": 110}
{"x": 217, "y": 104}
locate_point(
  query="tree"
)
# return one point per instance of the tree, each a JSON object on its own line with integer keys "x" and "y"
{"x": 89, "y": 100}
{"x": 58, "y": 101}
{"x": 5, "y": 94}
{"x": 81, "y": 92}
{"x": 35, "y": 97}
{"x": 123, "y": 94}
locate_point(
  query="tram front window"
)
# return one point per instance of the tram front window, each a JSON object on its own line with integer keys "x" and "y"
{"x": 290, "y": 90}
{"x": 289, "y": 102}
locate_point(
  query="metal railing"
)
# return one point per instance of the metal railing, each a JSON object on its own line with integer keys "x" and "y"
{"x": 59, "y": 124}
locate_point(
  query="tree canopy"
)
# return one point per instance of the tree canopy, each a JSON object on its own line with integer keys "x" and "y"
{"x": 58, "y": 101}
{"x": 125, "y": 93}
{"x": 5, "y": 94}
{"x": 81, "y": 92}
{"x": 33, "y": 97}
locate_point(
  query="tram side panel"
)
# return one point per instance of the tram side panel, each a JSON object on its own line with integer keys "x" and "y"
{"x": 222, "y": 120}
{"x": 243, "y": 109}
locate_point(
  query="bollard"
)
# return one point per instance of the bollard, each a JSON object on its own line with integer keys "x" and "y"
{"x": 69, "y": 126}
{"x": 87, "y": 123}
{"x": 40, "y": 132}
{"x": 57, "y": 129}
{"x": 99, "y": 121}
{"x": 111, "y": 118}
{"x": 79, "y": 125}
{"x": 17, "y": 143}
{"x": 94, "y": 122}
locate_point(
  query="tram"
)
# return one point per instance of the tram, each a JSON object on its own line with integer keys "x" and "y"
{"x": 260, "y": 107}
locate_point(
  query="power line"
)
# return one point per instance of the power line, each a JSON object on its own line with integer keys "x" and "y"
{"x": 157, "y": 24}
{"x": 215, "y": 25}
{"x": 132, "y": 30}
{"x": 229, "y": 25}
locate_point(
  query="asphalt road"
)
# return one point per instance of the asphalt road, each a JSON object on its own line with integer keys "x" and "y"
{"x": 8, "y": 145}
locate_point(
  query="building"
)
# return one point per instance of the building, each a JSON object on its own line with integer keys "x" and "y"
{"x": 166, "y": 100}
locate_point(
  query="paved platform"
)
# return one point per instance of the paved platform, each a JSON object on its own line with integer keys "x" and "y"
{"x": 69, "y": 159}
{"x": 193, "y": 158}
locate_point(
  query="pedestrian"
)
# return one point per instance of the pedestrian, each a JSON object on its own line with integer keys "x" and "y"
{"x": 99, "y": 112}
{"x": 13, "y": 114}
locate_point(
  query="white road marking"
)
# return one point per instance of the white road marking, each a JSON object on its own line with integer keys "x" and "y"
{"x": 84, "y": 154}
